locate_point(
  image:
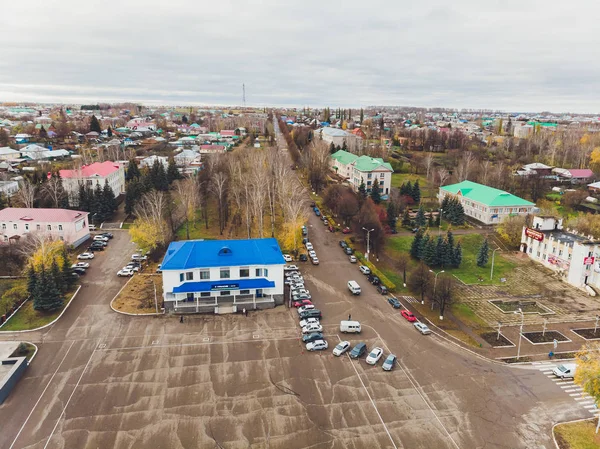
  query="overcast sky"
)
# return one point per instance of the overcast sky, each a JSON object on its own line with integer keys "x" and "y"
{"x": 510, "y": 55}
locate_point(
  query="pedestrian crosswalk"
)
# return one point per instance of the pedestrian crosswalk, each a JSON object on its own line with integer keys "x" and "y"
{"x": 408, "y": 299}
{"x": 569, "y": 387}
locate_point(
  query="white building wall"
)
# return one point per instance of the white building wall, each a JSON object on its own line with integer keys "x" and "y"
{"x": 73, "y": 233}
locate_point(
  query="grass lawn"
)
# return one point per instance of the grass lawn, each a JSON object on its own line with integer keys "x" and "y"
{"x": 468, "y": 272}
{"x": 138, "y": 295}
{"x": 198, "y": 227}
{"x": 464, "y": 313}
{"x": 24, "y": 350}
{"x": 400, "y": 178}
{"x": 29, "y": 318}
{"x": 578, "y": 435}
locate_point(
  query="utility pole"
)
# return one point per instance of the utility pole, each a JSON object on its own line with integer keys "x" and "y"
{"x": 520, "y": 333}
{"x": 244, "y": 95}
{"x": 435, "y": 284}
{"x": 440, "y": 220}
{"x": 155, "y": 300}
{"x": 368, "y": 236}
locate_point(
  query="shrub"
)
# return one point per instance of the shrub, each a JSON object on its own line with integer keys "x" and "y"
{"x": 382, "y": 277}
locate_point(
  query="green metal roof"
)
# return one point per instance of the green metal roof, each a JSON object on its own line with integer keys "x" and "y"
{"x": 367, "y": 163}
{"x": 486, "y": 195}
{"x": 344, "y": 157}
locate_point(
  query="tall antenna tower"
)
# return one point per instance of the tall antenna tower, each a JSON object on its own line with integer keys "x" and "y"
{"x": 244, "y": 95}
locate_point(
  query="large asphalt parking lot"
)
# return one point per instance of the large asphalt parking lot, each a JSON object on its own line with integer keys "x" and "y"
{"x": 103, "y": 380}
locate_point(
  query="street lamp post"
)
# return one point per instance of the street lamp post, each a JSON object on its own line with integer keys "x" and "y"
{"x": 435, "y": 283}
{"x": 368, "y": 235}
{"x": 155, "y": 299}
{"x": 440, "y": 221}
{"x": 492, "y": 270}
{"x": 520, "y": 333}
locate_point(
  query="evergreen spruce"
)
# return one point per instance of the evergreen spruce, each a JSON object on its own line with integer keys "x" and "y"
{"x": 109, "y": 202}
{"x": 416, "y": 192}
{"x": 444, "y": 205}
{"x": 53, "y": 299}
{"x": 39, "y": 294}
{"x": 430, "y": 219}
{"x": 406, "y": 218}
{"x": 440, "y": 251}
{"x": 43, "y": 133}
{"x": 423, "y": 246}
{"x": 332, "y": 148}
{"x": 429, "y": 255}
{"x": 375, "y": 193}
{"x": 132, "y": 194}
{"x": 362, "y": 190}
{"x": 450, "y": 240}
{"x": 132, "y": 172}
{"x": 457, "y": 256}
{"x": 415, "y": 246}
{"x": 57, "y": 276}
{"x": 362, "y": 115}
{"x": 109, "y": 132}
{"x": 96, "y": 206}
{"x": 447, "y": 254}
{"x": 172, "y": 172}
{"x": 83, "y": 200}
{"x": 344, "y": 146}
{"x": 420, "y": 219}
{"x": 483, "y": 254}
{"x": 392, "y": 215}
{"x": 95, "y": 125}
{"x": 32, "y": 282}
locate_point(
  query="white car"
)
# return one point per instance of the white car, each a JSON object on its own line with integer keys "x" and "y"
{"x": 305, "y": 308}
{"x": 296, "y": 279}
{"x": 342, "y": 347}
{"x": 287, "y": 258}
{"x": 300, "y": 291}
{"x": 138, "y": 257}
{"x": 83, "y": 265}
{"x": 312, "y": 328}
{"x": 352, "y": 259}
{"x": 312, "y": 254}
{"x": 422, "y": 328}
{"x": 125, "y": 272}
{"x": 364, "y": 269}
{"x": 132, "y": 267}
{"x": 309, "y": 321}
{"x": 374, "y": 356}
{"x": 100, "y": 238}
{"x": 309, "y": 246}
{"x": 296, "y": 285}
{"x": 85, "y": 256}
{"x": 315, "y": 260}
{"x": 317, "y": 345}
{"x": 290, "y": 268}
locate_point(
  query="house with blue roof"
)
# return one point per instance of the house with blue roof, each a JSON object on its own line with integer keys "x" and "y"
{"x": 222, "y": 276}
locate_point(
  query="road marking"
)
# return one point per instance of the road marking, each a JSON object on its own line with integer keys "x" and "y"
{"x": 547, "y": 372}
{"x": 102, "y": 346}
{"x": 206, "y": 339}
{"x": 155, "y": 342}
{"x": 572, "y": 389}
{"x": 588, "y": 406}
{"x": 593, "y": 412}
{"x": 550, "y": 375}
{"x": 566, "y": 386}
{"x": 40, "y": 398}
{"x": 70, "y": 397}
{"x": 574, "y": 394}
{"x": 579, "y": 399}
{"x": 370, "y": 398}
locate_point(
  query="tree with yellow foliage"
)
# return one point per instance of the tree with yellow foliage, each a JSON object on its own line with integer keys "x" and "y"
{"x": 148, "y": 234}
{"x": 587, "y": 375}
{"x": 595, "y": 160}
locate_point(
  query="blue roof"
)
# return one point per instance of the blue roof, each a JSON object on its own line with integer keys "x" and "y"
{"x": 188, "y": 254}
{"x": 228, "y": 284}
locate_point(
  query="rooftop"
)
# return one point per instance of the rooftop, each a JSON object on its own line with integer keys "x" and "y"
{"x": 368, "y": 163}
{"x": 344, "y": 157}
{"x": 189, "y": 254}
{"x": 486, "y": 195}
{"x": 41, "y": 215}
{"x": 102, "y": 169}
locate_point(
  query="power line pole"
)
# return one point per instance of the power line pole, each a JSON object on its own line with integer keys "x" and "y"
{"x": 244, "y": 95}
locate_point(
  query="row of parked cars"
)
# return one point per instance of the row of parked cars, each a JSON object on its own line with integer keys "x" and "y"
{"x": 134, "y": 266}
{"x": 360, "y": 349}
{"x": 99, "y": 242}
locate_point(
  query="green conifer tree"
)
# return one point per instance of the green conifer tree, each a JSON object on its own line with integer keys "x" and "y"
{"x": 420, "y": 219}
{"x": 416, "y": 192}
{"x": 375, "y": 193}
{"x": 429, "y": 256}
{"x": 457, "y": 257}
{"x": 57, "y": 276}
{"x": 483, "y": 254}
{"x": 406, "y": 218}
{"x": 415, "y": 246}
{"x": 172, "y": 172}
{"x": 362, "y": 190}
{"x": 95, "y": 125}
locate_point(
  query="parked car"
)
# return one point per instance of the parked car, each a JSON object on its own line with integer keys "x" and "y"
{"x": 295, "y": 279}
{"x": 296, "y": 285}
{"x": 373, "y": 279}
{"x": 290, "y": 268}
{"x": 158, "y": 269}
{"x": 107, "y": 234}
{"x": 125, "y": 272}
{"x": 422, "y": 328}
{"x": 301, "y": 297}
{"x": 318, "y": 345}
{"x": 288, "y": 258}
{"x": 331, "y": 228}
{"x": 394, "y": 302}
{"x": 85, "y": 256}
{"x": 95, "y": 248}
{"x": 301, "y": 302}
{"x": 364, "y": 269}
{"x": 100, "y": 238}
{"x": 342, "y": 347}
{"x": 317, "y": 212}
{"x": 291, "y": 273}
{"x": 374, "y": 356}
{"x": 138, "y": 257}
{"x": 343, "y": 244}
{"x": 304, "y": 231}
{"x": 309, "y": 246}
{"x": 299, "y": 291}
{"x": 346, "y": 230}
{"x": 382, "y": 289}
{"x": 303, "y": 257}
{"x": 414, "y": 230}
{"x": 389, "y": 363}
{"x": 358, "y": 350}
{"x": 326, "y": 222}
{"x": 312, "y": 254}
{"x": 305, "y": 308}
{"x": 312, "y": 328}
{"x": 315, "y": 260}
{"x": 349, "y": 251}
{"x": 312, "y": 313}
{"x": 565, "y": 371}
{"x": 353, "y": 259}
{"x": 305, "y": 240}
{"x": 308, "y": 321}
{"x": 408, "y": 315}
{"x": 308, "y": 338}
{"x": 79, "y": 271}
{"x": 83, "y": 265}
{"x": 133, "y": 267}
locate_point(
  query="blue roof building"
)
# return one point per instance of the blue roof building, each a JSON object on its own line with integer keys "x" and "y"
{"x": 222, "y": 276}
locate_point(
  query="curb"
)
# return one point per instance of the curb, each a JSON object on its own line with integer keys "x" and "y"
{"x": 567, "y": 422}
{"x": 46, "y": 325}
{"x": 132, "y": 314}
{"x": 34, "y": 354}
{"x": 13, "y": 314}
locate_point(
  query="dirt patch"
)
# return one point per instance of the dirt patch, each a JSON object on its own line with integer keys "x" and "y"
{"x": 138, "y": 295}
{"x": 589, "y": 333}
{"x": 565, "y": 355}
{"x": 525, "y": 306}
{"x": 548, "y": 337}
{"x": 497, "y": 342}
{"x": 517, "y": 360}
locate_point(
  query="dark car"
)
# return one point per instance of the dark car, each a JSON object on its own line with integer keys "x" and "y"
{"x": 312, "y": 337}
{"x": 303, "y": 258}
{"x": 79, "y": 271}
{"x": 394, "y": 302}
{"x": 343, "y": 244}
{"x": 382, "y": 289}
{"x": 95, "y": 248}
{"x": 311, "y": 313}
{"x": 415, "y": 230}
{"x": 317, "y": 213}
{"x": 107, "y": 234}
{"x": 304, "y": 231}
{"x": 358, "y": 350}
{"x": 313, "y": 204}
{"x": 348, "y": 250}
{"x": 373, "y": 279}
{"x": 305, "y": 241}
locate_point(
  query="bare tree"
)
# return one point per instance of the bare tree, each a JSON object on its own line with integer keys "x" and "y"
{"x": 464, "y": 167}
{"x": 428, "y": 162}
{"x": 55, "y": 191}
{"x": 443, "y": 176}
{"x": 187, "y": 191}
{"x": 218, "y": 186}
{"x": 444, "y": 293}
{"x": 485, "y": 170}
{"x": 25, "y": 197}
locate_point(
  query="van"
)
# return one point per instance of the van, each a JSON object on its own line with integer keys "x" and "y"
{"x": 351, "y": 327}
{"x": 354, "y": 287}
{"x": 565, "y": 371}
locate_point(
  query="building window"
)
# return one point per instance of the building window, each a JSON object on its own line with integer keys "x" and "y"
{"x": 553, "y": 250}
{"x": 204, "y": 274}
{"x": 381, "y": 175}
{"x": 244, "y": 292}
{"x": 224, "y": 273}
{"x": 181, "y": 277}
{"x": 266, "y": 272}
{"x": 189, "y": 276}
{"x": 60, "y": 227}
{"x": 560, "y": 252}
{"x": 15, "y": 226}
{"x": 48, "y": 227}
{"x": 190, "y": 297}
{"x": 244, "y": 272}
{"x": 258, "y": 272}
{"x": 4, "y": 226}
{"x": 538, "y": 254}
{"x": 27, "y": 226}
{"x": 368, "y": 183}
{"x": 224, "y": 293}
{"x": 205, "y": 294}
{"x": 38, "y": 227}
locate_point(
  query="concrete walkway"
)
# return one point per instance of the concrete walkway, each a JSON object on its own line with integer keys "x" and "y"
{"x": 7, "y": 348}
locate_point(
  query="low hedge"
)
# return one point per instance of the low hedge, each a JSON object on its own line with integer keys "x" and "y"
{"x": 382, "y": 277}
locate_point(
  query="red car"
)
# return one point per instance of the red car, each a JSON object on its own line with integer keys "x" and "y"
{"x": 346, "y": 230}
{"x": 303, "y": 302}
{"x": 409, "y": 316}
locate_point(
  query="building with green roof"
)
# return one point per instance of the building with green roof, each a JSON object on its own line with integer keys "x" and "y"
{"x": 358, "y": 169}
{"x": 486, "y": 204}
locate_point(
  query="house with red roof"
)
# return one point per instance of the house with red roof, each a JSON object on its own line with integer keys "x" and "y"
{"x": 209, "y": 149}
{"x": 90, "y": 175}
{"x": 574, "y": 175}
{"x": 359, "y": 133}
{"x": 70, "y": 226}
{"x": 227, "y": 132}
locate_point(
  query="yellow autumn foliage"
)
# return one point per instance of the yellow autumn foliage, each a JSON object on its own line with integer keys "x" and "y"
{"x": 148, "y": 234}
{"x": 46, "y": 253}
{"x": 587, "y": 375}
{"x": 595, "y": 160}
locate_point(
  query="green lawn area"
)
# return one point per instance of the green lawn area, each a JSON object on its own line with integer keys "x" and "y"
{"x": 578, "y": 435}
{"x": 198, "y": 227}
{"x": 468, "y": 272}
{"x": 400, "y": 178}
{"x": 24, "y": 350}
{"x": 464, "y": 313}
{"x": 29, "y": 318}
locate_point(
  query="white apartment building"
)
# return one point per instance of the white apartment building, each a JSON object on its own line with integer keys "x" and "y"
{"x": 358, "y": 169}
{"x": 90, "y": 175}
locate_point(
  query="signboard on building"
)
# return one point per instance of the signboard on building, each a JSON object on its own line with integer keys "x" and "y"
{"x": 588, "y": 260}
{"x": 533, "y": 234}
{"x": 225, "y": 287}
